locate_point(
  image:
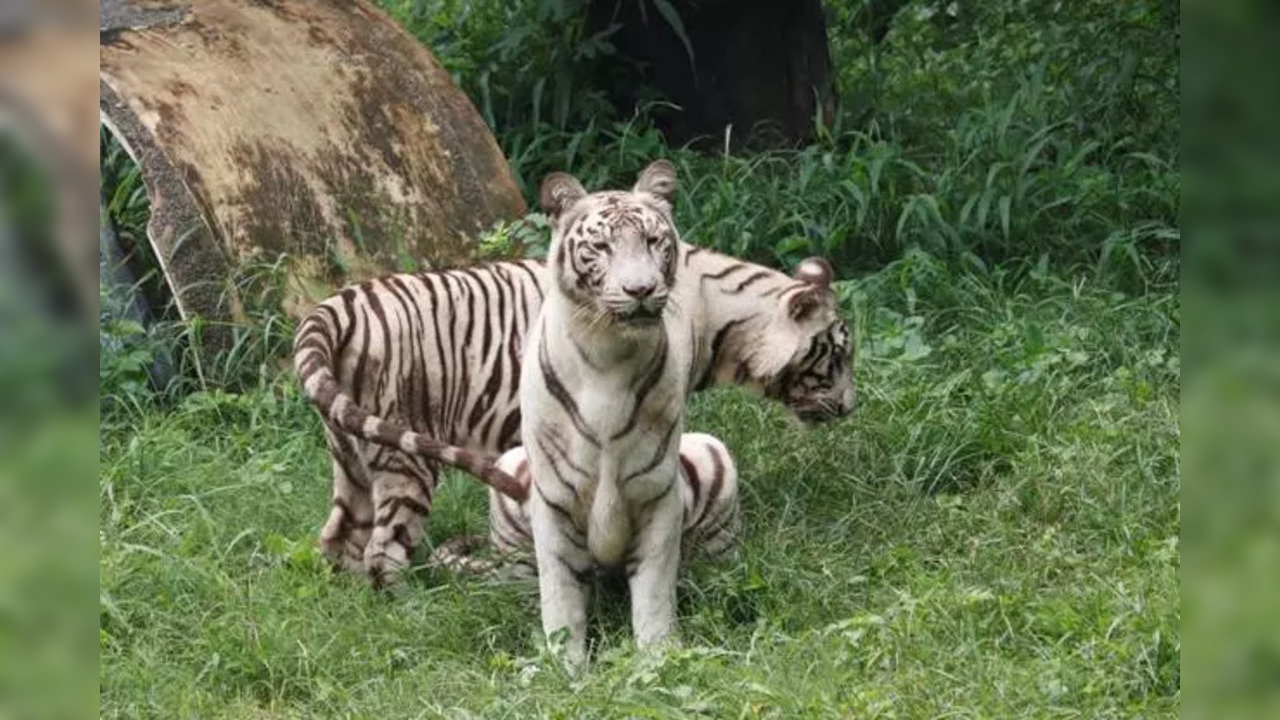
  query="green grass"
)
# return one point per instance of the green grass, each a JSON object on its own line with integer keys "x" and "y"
{"x": 993, "y": 533}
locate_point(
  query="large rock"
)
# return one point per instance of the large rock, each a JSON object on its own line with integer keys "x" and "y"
{"x": 313, "y": 130}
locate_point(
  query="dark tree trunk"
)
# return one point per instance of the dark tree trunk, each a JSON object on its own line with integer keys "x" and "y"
{"x": 760, "y": 66}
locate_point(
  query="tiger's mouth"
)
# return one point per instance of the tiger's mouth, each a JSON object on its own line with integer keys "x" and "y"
{"x": 639, "y": 315}
{"x": 811, "y": 414}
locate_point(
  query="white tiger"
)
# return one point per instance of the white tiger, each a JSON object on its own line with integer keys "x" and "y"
{"x": 602, "y": 388}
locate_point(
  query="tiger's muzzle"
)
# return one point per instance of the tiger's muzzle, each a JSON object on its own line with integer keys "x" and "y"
{"x": 638, "y": 311}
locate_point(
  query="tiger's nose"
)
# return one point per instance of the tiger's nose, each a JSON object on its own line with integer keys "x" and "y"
{"x": 639, "y": 291}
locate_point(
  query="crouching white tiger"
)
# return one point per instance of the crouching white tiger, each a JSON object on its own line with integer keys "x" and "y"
{"x": 708, "y": 491}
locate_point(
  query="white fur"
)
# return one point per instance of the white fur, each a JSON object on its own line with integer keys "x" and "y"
{"x": 605, "y": 507}
{"x": 621, "y": 506}
{"x": 710, "y": 510}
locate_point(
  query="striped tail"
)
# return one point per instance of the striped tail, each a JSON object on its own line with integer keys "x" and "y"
{"x": 313, "y": 351}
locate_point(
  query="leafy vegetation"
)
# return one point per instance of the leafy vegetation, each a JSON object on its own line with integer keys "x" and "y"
{"x": 993, "y": 532}
{"x": 978, "y": 132}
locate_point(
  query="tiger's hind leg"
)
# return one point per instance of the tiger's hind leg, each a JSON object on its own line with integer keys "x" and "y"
{"x": 346, "y": 533}
{"x": 401, "y": 504}
{"x": 709, "y": 490}
{"x": 509, "y": 527}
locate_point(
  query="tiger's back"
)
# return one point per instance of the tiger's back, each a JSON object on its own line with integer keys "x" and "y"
{"x": 437, "y": 351}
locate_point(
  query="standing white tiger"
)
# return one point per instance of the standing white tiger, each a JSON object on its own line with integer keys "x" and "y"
{"x": 602, "y": 389}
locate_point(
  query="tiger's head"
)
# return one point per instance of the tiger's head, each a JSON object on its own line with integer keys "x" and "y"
{"x": 813, "y": 346}
{"x": 613, "y": 254}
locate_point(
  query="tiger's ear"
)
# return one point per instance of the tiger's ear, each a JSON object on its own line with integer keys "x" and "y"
{"x": 804, "y": 304}
{"x": 659, "y": 178}
{"x": 559, "y": 191}
{"x": 814, "y": 270}
{"x": 818, "y": 273}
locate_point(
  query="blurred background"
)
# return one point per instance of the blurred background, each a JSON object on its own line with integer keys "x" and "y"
{"x": 48, "y": 413}
{"x": 1231, "y": 395}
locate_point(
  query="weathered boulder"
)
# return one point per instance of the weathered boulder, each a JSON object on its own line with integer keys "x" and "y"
{"x": 313, "y": 131}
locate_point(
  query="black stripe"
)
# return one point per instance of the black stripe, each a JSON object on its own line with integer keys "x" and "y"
{"x": 555, "y": 469}
{"x": 420, "y": 389}
{"x": 362, "y": 356}
{"x": 658, "y": 456}
{"x": 340, "y": 445}
{"x": 348, "y": 302}
{"x": 713, "y": 496}
{"x": 581, "y": 576}
{"x": 735, "y": 267}
{"x": 464, "y": 385}
{"x": 316, "y": 338}
{"x": 335, "y": 320}
{"x": 450, "y": 377}
{"x": 559, "y": 509}
{"x": 580, "y": 262}
{"x": 384, "y": 369}
{"x": 482, "y": 430}
{"x": 498, "y": 369}
{"x": 507, "y": 539}
{"x": 428, "y": 282}
{"x": 753, "y": 278}
{"x": 511, "y": 521}
{"x": 716, "y": 344}
{"x": 644, "y": 507}
{"x": 537, "y": 284}
{"x": 558, "y": 391}
{"x": 390, "y": 506}
{"x": 560, "y": 450}
{"x": 507, "y": 437}
{"x": 646, "y": 385}
{"x": 691, "y": 477}
{"x": 479, "y": 403}
{"x": 414, "y": 406}
{"x": 708, "y": 527}
{"x": 401, "y": 535}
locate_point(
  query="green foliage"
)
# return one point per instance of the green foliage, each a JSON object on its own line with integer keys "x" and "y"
{"x": 994, "y": 531}
{"x": 523, "y": 63}
{"x": 979, "y": 133}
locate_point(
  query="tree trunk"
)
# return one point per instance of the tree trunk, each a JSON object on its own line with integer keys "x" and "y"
{"x": 760, "y": 67}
